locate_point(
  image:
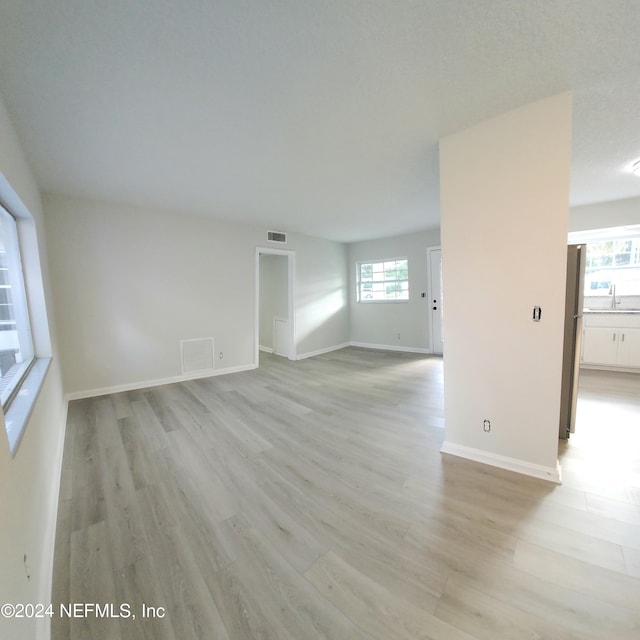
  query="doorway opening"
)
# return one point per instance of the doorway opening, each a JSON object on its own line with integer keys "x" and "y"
{"x": 274, "y": 325}
{"x": 604, "y": 451}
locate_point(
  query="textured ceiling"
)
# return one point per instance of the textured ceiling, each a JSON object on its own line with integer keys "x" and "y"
{"x": 319, "y": 117}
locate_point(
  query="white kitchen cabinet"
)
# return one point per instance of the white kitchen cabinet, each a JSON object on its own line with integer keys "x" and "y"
{"x": 629, "y": 347}
{"x": 600, "y": 345}
{"x": 609, "y": 341}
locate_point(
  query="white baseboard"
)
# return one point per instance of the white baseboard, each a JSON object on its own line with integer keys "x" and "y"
{"x": 504, "y": 462}
{"x": 43, "y": 628}
{"x": 388, "y": 347}
{"x": 319, "y": 352}
{"x": 104, "y": 391}
{"x": 265, "y": 349}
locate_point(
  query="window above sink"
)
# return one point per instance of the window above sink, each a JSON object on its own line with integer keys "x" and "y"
{"x": 613, "y": 268}
{"x": 612, "y": 273}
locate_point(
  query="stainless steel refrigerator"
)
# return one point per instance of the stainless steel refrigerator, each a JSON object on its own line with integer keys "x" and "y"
{"x": 574, "y": 303}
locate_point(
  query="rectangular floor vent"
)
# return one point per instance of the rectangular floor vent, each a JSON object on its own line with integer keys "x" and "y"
{"x": 277, "y": 236}
{"x": 197, "y": 355}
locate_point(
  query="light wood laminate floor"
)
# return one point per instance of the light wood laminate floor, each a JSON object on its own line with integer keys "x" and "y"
{"x": 309, "y": 500}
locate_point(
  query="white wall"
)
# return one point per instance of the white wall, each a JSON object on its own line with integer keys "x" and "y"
{"x": 322, "y": 306}
{"x": 131, "y": 282}
{"x": 29, "y": 482}
{"x": 504, "y": 203}
{"x": 379, "y": 324}
{"x": 603, "y": 215}
{"x": 273, "y": 295}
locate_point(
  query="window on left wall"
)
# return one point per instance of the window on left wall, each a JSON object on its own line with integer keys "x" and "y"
{"x": 16, "y": 345}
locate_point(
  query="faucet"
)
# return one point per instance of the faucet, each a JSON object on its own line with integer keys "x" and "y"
{"x": 612, "y": 293}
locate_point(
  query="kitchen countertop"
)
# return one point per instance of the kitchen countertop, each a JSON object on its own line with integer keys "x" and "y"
{"x": 611, "y": 311}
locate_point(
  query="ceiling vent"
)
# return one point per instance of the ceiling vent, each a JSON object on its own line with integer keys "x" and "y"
{"x": 277, "y": 236}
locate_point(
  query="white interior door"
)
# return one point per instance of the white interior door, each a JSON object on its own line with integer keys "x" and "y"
{"x": 435, "y": 298}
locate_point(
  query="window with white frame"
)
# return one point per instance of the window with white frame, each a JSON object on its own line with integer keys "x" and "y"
{"x": 16, "y": 346}
{"x": 383, "y": 280}
{"x": 613, "y": 263}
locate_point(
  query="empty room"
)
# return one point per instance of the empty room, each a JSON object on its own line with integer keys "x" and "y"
{"x": 319, "y": 320}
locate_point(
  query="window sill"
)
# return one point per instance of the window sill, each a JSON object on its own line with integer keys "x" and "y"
{"x": 17, "y": 415}
{"x": 382, "y": 301}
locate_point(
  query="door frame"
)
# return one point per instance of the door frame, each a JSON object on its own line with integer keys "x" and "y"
{"x": 431, "y": 250}
{"x": 291, "y": 316}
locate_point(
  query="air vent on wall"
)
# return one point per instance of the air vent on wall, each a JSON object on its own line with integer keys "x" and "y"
{"x": 277, "y": 236}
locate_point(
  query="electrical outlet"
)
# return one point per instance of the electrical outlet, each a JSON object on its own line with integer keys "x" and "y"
{"x": 398, "y": 336}
{"x": 486, "y": 426}
{"x": 221, "y": 355}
